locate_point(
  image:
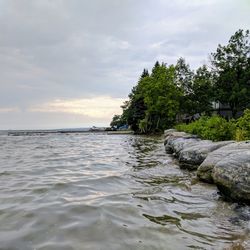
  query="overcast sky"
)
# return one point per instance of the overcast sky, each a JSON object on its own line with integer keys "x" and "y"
{"x": 72, "y": 63}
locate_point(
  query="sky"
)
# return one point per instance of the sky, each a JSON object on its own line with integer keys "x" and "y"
{"x": 71, "y": 64}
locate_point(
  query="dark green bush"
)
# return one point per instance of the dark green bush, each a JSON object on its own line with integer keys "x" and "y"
{"x": 243, "y": 127}
{"x": 214, "y": 128}
{"x": 217, "y": 128}
{"x": 195, "y": 127}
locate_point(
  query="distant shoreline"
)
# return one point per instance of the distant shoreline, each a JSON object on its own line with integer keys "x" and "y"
{"x": 64, "y": 131}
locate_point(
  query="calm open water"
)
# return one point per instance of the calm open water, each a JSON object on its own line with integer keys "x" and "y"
{"x": 99, "y": 191}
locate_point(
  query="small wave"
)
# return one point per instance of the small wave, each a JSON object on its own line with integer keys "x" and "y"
{"x": 164, "y": 219}
{"x": 5, "y": 173}
{"x": 79, "y": 191}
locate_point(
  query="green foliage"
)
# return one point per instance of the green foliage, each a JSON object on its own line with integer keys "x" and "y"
{"x": 213, "y": 128}
{"x": 232, "y": 72}
{"x": 218, "y": 129}
{"x": 184, "y": 77}
{"x": 196, "y": 127}
{"x": 134, "y": 109}
{"x": 154, "y": 101}
{"x": 161, "y": 97}
{"x": 171, "y": 92}
{"x": 243, "y": 127}
{"x": 117, "y": 121}
{"x": 202, "y": 94}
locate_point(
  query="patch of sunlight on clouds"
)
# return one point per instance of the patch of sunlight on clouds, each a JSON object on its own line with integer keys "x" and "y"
{"x": 101, "y": 107}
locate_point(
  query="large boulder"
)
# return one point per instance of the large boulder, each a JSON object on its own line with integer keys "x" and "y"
{"x": 178, "y": 144}
{"x": 205, "y": 169}
{"x": 232, "y": 176}
{"x": 175, "y": 141}
{"x": 194, "y": 154}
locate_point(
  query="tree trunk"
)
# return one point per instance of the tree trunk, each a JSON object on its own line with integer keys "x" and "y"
{"x": 234, "y": 113}
{"x": 158, "y": 121}
{"x": 233, "y": 109}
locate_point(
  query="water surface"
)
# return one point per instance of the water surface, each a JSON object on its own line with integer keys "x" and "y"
{"x": 99, "y": 191}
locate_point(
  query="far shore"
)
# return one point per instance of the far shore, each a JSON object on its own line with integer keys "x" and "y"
{"x": 63, "y": 131}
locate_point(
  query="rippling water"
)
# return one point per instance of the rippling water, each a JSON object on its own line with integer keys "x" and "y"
{"x": 98, "y": 191}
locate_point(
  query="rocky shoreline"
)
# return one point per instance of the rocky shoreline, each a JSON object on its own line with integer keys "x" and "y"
{"x": 225, "y": 163}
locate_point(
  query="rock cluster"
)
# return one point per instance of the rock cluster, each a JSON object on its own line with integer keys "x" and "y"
{"x": 226, "y": 163}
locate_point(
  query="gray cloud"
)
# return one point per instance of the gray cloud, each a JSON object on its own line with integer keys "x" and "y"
{"x": 78, "y": 49}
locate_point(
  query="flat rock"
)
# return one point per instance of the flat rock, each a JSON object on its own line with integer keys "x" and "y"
{"x": 169, "y": 132}
{"x": 191, "y": 156}
{"x": 180, "y": 144}
{"x": 175, "y": 141}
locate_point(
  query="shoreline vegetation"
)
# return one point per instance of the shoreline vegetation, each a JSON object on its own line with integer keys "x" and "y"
{"x": 171, "y": 95}
{"x": 217, "y": 128}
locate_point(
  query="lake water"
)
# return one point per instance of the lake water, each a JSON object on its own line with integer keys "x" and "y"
{"x": 99, "y": 191}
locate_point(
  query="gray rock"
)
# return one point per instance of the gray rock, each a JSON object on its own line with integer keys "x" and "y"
{"x": 168, "y": 149}
{"x": 232, "y": 175}
{"x": 169, "y": 132}
{"x": 226, "y": 163}
{"x": 205, "y": 169}
{"x": 175, "y": 141}
{"x": 174, "y": 135}
{"x": 191, "y": 157}
{"x": 204, "y": 172}
{"x": 180, "y": 144}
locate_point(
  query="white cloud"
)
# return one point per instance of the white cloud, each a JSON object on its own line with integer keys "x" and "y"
{"x": 70, "y": 51}
{"x": 101, "y": 107}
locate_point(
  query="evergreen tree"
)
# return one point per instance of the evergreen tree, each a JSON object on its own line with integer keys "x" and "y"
{"x": 202, "y": 91}
{"x": 232, "y": 71}
{"x": 184, "y": 80}
{"x": 134, "y": 109}
{"x": 184, "y": 76}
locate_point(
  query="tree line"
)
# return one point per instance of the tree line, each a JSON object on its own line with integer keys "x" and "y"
{"x": 162, "y": 97}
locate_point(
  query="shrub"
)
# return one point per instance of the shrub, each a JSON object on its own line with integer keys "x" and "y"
{"x": 243, "y": 127}
{"x": 213, "y": 128}
{"x": 217, "y": 128}
{"x": 195, "y": 127}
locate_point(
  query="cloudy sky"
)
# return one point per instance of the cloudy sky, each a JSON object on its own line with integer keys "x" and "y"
{"x": 72, "y": 63}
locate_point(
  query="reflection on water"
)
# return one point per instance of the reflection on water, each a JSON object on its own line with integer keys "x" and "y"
{"x": 97, "y": 191}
